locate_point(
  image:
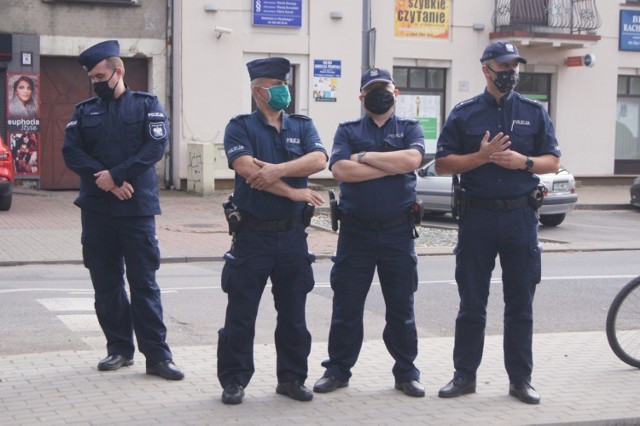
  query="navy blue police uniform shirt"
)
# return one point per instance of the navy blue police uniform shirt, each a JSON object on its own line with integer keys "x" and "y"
{"x": 126, "y": 136}
{"x": 530, "y": 131}
{"x": 251, "y": 134}
{"x": 383, "y": 198}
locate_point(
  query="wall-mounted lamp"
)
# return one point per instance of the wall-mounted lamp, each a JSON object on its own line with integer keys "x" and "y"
{"x": 336, "y": 14}
{"x": 222, "y": 30}
{"x": 211, "y": 7}
{"x": 478, "y": 26}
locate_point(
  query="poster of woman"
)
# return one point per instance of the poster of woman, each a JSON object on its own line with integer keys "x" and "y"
{"x": 25, "y": 150}
{"x": 23, "y": 95}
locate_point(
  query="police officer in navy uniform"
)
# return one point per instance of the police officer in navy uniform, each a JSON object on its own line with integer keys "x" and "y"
{"x": 497, "y": 141}
{"x": 373, "y": 159}
{"x": 113, "y": 142}
{"x": 272, "y": 154}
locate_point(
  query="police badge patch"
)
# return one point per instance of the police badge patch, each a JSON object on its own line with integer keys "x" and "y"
{"x": 157, "y": 130}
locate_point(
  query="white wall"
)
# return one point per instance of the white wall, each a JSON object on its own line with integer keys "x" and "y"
{"x": 212, "y": 84}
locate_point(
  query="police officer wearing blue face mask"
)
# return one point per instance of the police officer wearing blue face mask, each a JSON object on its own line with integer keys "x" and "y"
{"x": 272, "y": 154}
{"x": 497, "y": 141}
{"x": 373, "y": 159}
{"x": 113, "y": 142}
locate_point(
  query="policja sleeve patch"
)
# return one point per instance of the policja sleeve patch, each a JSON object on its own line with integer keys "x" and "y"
{"x": 157, "y": 130}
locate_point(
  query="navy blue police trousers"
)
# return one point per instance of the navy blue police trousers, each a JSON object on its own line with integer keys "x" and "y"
{"x": 108, "y": 244}
{"x": 360, "y": 251}
{"x": 256, "y": 256}
{"x": 482, "y": 236}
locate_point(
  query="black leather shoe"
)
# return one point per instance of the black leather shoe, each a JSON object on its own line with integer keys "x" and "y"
{"x": 329, "y": 384}
{"x": 412, "y": 388}
{"x": 113, "y": 362}
{"x": 458, "y": 386}
{"x": 232, "y": 394}
{"x": 167, "y": 370}
{"x": 295, "y": 390}
{"x": 524, "y": 392}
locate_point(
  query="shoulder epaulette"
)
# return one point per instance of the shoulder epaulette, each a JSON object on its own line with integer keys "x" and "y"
{"x": 466, "y": 103}
{"x": 240, "y": 116}
{"x": 531, "y": 101}
{"x": 136, "y": 92}
{"x": 408, "y": 119}
{"x": 355, "y": 120}
{"x": 304, "y": 117}
{"x": 86, "y": 101}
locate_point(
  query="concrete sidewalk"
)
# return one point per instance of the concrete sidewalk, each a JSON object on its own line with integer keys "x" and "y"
{"x": 577, "y": 375}
{"x": 44, "y": 226}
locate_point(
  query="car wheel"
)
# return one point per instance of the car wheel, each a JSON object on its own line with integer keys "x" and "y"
{"x": 552, "y": 219}
{"x": 5, "y": 202}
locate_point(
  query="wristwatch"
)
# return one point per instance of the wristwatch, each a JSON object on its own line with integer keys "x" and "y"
{"x": 360, "y": 156}
{"x": 528, "y": 164}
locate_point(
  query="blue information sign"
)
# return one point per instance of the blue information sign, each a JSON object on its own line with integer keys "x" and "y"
{"x": 327, "y": 68}
{"x": 629, "y": 30}
{"x": 278, "y": 13}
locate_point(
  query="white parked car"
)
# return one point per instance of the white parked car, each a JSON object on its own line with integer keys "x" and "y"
{"x": 560, "y": 193}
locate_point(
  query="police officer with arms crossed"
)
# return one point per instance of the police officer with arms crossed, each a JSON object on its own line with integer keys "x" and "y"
{"x": 373, "y": 160}
{"x": 497, "y": 141}
{"x": 272, "y": 154}
{"x": 113, "y": 142}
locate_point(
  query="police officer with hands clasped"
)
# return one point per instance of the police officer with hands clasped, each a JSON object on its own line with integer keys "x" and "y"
{"x": 373, "y": 159}
{"x": 113, "y": 142}
{"x": 497, "y": 142}
{"x": 272, "y": 154}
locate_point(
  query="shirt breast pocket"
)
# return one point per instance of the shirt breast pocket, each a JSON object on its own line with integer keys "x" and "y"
{"x": 92, "y": 129}
{"x": 473, "y": 137}
{"x": 522, "y": 139}
{"x": 134, "y": 127}
{"x": 294, "y": 150}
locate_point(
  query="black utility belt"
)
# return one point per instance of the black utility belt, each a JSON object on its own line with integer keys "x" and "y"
{"x": 271, "y": 225}
{"x": 375, "y": 225}
{"x": 499, "y": 205}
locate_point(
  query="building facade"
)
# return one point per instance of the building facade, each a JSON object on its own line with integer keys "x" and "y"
{"x": 40, "y": 40}
{"x": 583, "y": 65}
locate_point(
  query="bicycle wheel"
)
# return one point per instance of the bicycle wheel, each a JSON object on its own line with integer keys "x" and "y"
{"x": 623, "y": 323}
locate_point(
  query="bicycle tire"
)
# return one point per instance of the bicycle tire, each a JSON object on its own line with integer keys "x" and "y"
{"x": 623, "y": 323}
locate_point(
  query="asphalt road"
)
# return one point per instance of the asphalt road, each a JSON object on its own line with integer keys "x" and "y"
{"x": 50, "y": 308}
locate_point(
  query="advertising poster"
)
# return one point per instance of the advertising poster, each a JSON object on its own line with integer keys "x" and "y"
{"x": 425, "y": 109}
{"x": 422, "y": 18}
{"x": 326, "y": 74}
{"x": 25, "y": 148}
{"x": 23, "y": 121}
{"x": 23, "y": 95}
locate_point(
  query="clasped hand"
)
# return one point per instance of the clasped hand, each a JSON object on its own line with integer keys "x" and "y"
{"x": 104, "y": 181}
{"x": 497, "y": 151}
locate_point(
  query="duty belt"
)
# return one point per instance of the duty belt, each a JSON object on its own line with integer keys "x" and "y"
{"x": 271, "y": 225}
{"x": 375, "y": 225}
{"x": 499, "y": 205}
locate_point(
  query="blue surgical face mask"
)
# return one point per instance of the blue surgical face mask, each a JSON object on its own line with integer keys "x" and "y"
{"x": 279, "y": 97}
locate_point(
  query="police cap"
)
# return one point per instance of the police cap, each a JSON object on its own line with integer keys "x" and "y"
{"x": 277, "y": 68}
{"x": 96, "y": 53}
{"x": 502, "y": 51}
{"x": 375, "y": 75}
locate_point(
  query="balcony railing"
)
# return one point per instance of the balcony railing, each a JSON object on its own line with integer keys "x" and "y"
{"x": 566, "y": 16}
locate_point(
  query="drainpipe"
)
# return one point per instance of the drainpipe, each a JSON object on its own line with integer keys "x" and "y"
{"x": 168, "y": 157}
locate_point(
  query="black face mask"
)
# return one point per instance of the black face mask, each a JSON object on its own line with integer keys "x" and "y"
{"x": 102, "y": 89}
{"x": 379, "y": 101}
{"x": 505, "y": 81}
